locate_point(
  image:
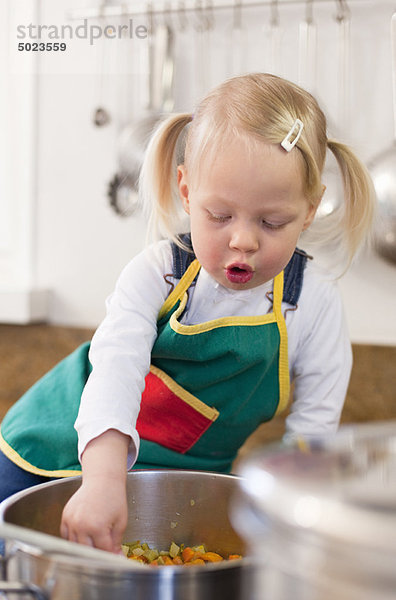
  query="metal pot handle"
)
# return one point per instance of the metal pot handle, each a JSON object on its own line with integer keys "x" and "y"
{"x": 17, "y": 587}
{"x": 14, "y": 587}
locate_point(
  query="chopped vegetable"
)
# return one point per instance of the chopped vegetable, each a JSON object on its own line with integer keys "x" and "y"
{"x": 174, "y": 550}
{"x": 211, "y": 557}
{"x": 176, "y": 555}
{"x": 188, "y": 554}
{"x": 195, "y": 561}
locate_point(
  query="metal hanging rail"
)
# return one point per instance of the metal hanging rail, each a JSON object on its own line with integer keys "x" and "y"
{"x": 187, "y": 6}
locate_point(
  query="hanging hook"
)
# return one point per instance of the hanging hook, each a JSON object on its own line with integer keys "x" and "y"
{"x": 237, "y": 14}
{"x": 309, "y": 12}
{"x": 343, "y": 11}
{"x": 102, "y": 9}
{"x": 183, "y": 20}
{"x": 205, "y": 15}
{"x": 150, "y": 19}
{"x": 167, "y": 13}
{"x": 199, "y": 14}
{"x": 209, "y": 15}
{"x": 274, "y": 14}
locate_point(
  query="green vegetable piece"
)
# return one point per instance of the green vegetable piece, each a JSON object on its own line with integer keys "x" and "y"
{"x": 174, "y": 550}
{"x": 151, "y": 554}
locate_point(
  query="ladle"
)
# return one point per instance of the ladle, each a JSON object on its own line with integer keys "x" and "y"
{"x": 333, "y": 197}
{"x": 135, "y": 137}
{"x": 383, "y": 172}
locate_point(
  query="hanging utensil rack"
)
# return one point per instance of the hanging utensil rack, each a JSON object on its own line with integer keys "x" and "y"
{"x": 184, "y": 6}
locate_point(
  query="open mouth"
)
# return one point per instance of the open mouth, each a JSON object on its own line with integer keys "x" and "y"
{"x": 239, "y": 273}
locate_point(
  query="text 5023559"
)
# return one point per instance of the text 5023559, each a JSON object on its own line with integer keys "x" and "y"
{"x": 42, "y": 46}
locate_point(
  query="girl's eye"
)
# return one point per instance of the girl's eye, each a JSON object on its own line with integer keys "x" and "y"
{"x": 272, "y": 225}
{"x": 219, "y": 218}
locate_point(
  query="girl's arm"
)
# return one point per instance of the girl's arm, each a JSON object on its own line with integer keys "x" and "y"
{"x": 108, "y": 442}
{"x": 120, "y": 351}
{"x": 320, "y": 358}
{"x": 96, "y": 515}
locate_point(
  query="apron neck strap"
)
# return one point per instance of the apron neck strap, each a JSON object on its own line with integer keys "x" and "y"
{"x": 189, "y": 277}
{"x": 278, "y": 294}
{"x": 180, "y": 289}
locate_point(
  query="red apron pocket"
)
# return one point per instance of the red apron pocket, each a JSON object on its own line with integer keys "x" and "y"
{"x": 171, "y": 416}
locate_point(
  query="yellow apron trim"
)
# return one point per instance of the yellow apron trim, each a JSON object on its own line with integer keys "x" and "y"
{"x": 24, "y": 464}
{"x": 180, "y": 289}
{"x": 202, "y": 408}
{"x": 179, "y": 293}
{"x": 215, "y": 323}
{"x": 284, "y": 376}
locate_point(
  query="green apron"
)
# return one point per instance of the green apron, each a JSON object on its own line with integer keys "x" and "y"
{"x": 209, "y": 387}
{"x": 237, "y": 367}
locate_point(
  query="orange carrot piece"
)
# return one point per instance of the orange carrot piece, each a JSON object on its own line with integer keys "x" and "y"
{"x": 138, "y": 558}
{"x": 188, "y": 554}
{"x": 177, "y": 560}
{"x": 194, "y": 561}
{"x": 234, "y": 557}
{"x": 211, "y": 557}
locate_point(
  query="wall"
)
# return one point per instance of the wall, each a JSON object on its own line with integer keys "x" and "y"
{"x": 80, "y": 244}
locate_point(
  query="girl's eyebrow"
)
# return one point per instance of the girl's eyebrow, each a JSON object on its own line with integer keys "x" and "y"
{"x": 213, "y": 196}
{"x": 289, "y": 211}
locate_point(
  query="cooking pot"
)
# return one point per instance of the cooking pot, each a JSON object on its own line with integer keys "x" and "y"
{"x": 321, "y": 515}
{"x": 163, "y": 506}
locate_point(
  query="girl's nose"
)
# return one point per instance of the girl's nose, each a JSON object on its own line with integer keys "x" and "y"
{"x": 244, "y": 240}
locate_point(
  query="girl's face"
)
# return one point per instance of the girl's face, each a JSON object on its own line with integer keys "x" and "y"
{"x": 247, "y": 212}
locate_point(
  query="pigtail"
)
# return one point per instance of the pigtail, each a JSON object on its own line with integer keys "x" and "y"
{"x": 359, "y": 198}
{"x": 158, "y": 189}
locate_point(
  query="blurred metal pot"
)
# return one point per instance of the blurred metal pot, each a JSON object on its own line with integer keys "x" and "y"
{"x": 320, "y": 514}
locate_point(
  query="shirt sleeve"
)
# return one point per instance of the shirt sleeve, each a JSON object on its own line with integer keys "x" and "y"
{"x": 121, "y": 349}
{"x": 322, "y": 360}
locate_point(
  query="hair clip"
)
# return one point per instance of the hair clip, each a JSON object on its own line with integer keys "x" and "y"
{"x": 295, "y": 130}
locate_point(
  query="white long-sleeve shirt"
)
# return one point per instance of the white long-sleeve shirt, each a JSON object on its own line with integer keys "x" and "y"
{"x": 319, "y": 350}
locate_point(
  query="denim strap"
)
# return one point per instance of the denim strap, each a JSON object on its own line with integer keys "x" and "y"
{"x": 293, "y": 272}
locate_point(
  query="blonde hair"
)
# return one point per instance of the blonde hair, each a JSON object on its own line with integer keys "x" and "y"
{"x": 260, "y": 107}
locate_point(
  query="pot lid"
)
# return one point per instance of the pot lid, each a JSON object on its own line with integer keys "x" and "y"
{"x": 341, "y": 488}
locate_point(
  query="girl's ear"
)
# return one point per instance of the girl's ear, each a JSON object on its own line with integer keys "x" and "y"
{"x": 183, "y": 187}
{"x": 312, "y": 210}
{"x": 310, "y": 216}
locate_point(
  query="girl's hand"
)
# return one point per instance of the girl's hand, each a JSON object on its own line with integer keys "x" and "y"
{"x": 96, "y": 515}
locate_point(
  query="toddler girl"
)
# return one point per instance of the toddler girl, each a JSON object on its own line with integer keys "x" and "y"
{"x": 204, "y": 330}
